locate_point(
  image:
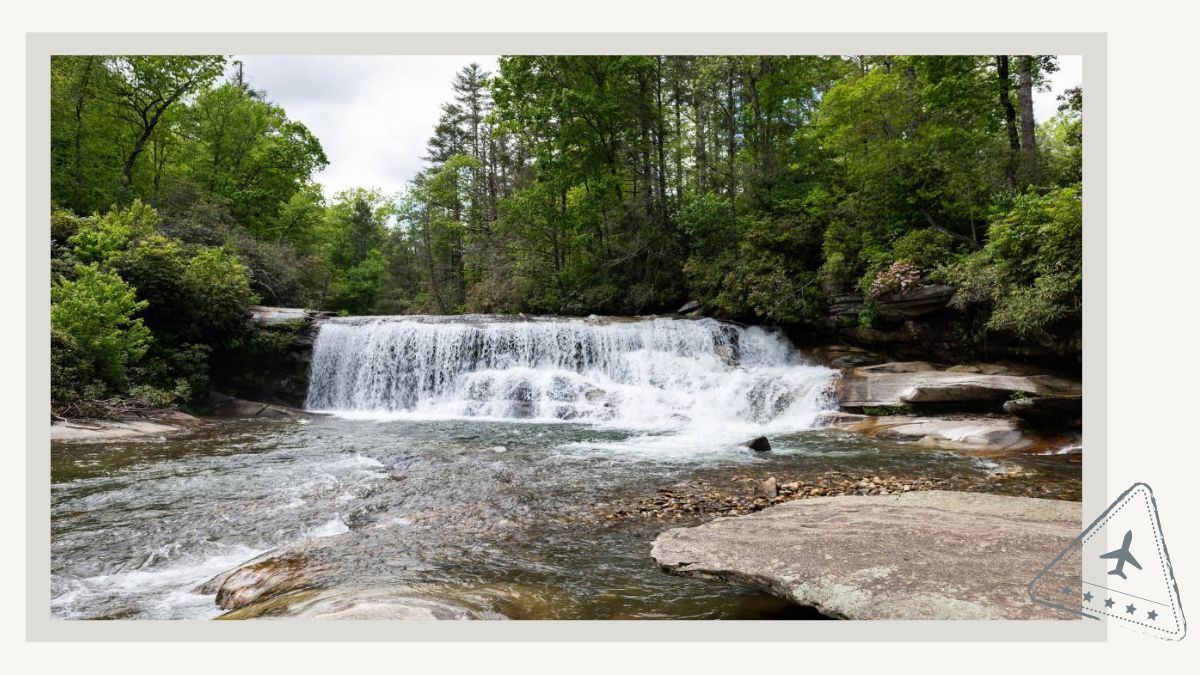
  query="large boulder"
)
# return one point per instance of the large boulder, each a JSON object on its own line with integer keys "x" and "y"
{"x": 899, "y": 384}
{"x": 918, "y": 555}
{"x": 272, "y": 365}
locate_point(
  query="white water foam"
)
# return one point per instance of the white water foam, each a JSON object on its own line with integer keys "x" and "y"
{"x": 168, "y": 590}
{"x": 710, "y": 379}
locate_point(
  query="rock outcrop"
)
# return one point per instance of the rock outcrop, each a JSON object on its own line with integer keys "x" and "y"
{"x": 1055, "y": 410}
{"x": 916, "y": 383}
{"x": 921, "y": 324}
{"x": 964, "y": 433}
{"x": 918, "y": 302}
{"x": 918, "y": 555}
{"x": 273, "y": 364}
{"x": 222, "y": 405}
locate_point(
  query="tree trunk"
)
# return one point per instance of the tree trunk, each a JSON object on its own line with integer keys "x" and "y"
{"x": 1010, "y": 119}
{"x": 1028, "y": 126}
{"x": 77, "y": 169}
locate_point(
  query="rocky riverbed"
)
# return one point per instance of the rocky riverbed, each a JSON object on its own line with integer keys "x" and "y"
{"x": 741, "y": 494}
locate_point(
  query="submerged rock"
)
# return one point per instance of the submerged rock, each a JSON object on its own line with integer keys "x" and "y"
{"x": 759, "y": 444}
{"x": 372, "y": 604}
{"x": 919, "y": 555}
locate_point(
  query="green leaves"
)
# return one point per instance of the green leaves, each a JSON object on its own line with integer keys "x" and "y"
{"x": 100, "y": 239}
{"x": 95, "y": 314}
{"x": 1031, "y": 270}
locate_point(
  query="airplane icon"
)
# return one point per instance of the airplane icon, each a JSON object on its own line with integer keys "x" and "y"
{"x": 1122, "y": 556}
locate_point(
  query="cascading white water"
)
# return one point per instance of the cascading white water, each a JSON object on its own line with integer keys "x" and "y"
{"x": 642, "y": 374}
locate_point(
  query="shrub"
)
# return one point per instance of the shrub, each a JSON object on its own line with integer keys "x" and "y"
{"x": 900, "y": 277}
{"x": 100, "y": 239}
{"x": 218, "y": 289}
{"x": 155, "y": 397}
{"x": 72, "y": 377}
{"x": 927, "y": 249}
{"x": 64, "y": 225}
{"x": 155, "y": 266}
{"x": 1031, "y": 270}
{"x": 95, "y": 315}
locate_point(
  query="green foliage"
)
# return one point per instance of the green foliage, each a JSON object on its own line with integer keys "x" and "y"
{"x": 926, "y": 249}
{"x": 94, "y": 318}
{"x": 218, "y": 278}
{"x": 100, "y": 239}
{"x": 1031, "y": 270}
{"x": 885, "y": 410}
{"x": 355, "y": 291}
{"x": 156, "y": 397}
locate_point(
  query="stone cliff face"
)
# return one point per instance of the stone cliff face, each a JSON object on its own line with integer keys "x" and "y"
{"x": 272, "y": 363}
{"x": 921, "y": 324}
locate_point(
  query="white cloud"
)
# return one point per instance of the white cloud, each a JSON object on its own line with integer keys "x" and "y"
{"x": 1069, "y": 74}
{"x": 373, "y": 114}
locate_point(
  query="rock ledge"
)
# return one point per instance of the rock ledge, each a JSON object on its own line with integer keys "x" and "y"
{"x": 919, "y": 555}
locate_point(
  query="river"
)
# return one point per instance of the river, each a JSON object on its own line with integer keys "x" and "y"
{"x": 464, "y": 461}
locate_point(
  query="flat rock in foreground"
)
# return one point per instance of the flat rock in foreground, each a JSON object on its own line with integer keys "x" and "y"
{"x": 919, "y": 555}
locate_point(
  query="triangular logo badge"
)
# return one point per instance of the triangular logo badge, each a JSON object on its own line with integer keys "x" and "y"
{"x": 1118, "y": 570}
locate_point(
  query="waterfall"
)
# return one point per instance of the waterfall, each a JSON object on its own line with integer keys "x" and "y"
{"x": 652, "y": 373}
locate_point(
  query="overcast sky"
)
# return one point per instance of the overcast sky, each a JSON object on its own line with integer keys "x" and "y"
{"x": 373, "y": 114}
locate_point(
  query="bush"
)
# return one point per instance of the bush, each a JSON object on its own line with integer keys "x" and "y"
{"x": 1031, "y": 270}
{"x": 899, "y": 277}
{"x": 94, "y": 315}
{"x": 100, "y": 239}
{"x": 155, "y": 266}
{"x": 72, "y": 376}
{"x": 154, "y": 397}
{"x": 218, "y": 289}
{"x": 64, "y": 225}
{"x": 926, "y": 249}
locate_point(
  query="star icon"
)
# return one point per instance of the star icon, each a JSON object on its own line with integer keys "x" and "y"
{"x": 1066, "y": 590}
{"x": 1130, "y": 609}
{"x": 1108, "y": 602}
{"x": 1152, "y": 615}
{"x": 1087, "y": 597}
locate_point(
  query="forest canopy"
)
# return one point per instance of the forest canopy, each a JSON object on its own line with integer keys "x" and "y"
{"x": 759, "y": 186}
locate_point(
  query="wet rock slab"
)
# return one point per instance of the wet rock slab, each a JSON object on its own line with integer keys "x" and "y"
{"x": 964, "y": 433}
{"x": 918, "y": 555}
{"x": 152, "y": 427}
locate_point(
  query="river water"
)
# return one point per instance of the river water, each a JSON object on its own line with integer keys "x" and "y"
{"x": 464, "y": 460}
